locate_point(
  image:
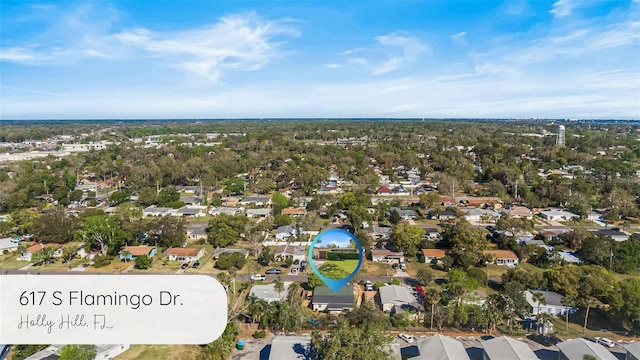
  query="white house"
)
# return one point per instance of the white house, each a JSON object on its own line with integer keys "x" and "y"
{"x": 476, "y": 214}
{"x": 268, "y": 293}
{"x": 395, "y": 299}
{"x": 31, "y": 250}
{"x": 287, "y": 231}
{"x": 558, "y": 215}
{"x": 224, "y": 210}
{"x": 191, "y": 211}
{"x": 9, "y": 244}
{"x": 503, "y": 257}
{"x": 551, "y": 305}
{"x": 156, "y": 211}
{"x": 614, "y": 234}
{"x": 184, "y": 254}
{"x": 258, "y": 213}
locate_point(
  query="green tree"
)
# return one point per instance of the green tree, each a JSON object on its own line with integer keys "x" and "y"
{"x": 69, "y": 253}
{"x": 118, "y": 197}
{"x": 55, "y": 227}
{"x": 230, "y": 260}
{"x": 625, "y": 303}
{"x": 168, "y": 195}
{"x": 345, "y": 341}
{"x": 78, "y": 352}
{"x": 429, "y": 200}
{"x": 225, "y": 229}
{"x": 265, "y": 257}
{"x": 467, "y": 244}
{"x": 44, "y": 256}
{"x": 234, "y": 187}
{"x": 279, "y": 202}
{"x": 407, "y": 237}
{"x": 278, "y": 286}
{"x": 368, "y": 317}
{"x": 394, "y": 217}
{"x": 313, "y": 280}
{"x": 539, "y": 298}
{"x": 424, "y": 276}
{"x": 143, "y": 262}
{"x": 432, "y": 296}
{"x": 105, "y": 233}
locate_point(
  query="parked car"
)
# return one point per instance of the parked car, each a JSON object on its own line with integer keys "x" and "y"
{"x": 195, "y": 264}
{"x": 258, "y": 277}
{"x": 296, "y": 262}
{"x": 368, "y": 286}
{"x": 184, "y": 265}
{"x": 294, "y": 271}
{"x": 403, "y": 266}
{"x": 605, "y": 342}
{"x": 273, "y": 271}
{"x": 407, "y": 338}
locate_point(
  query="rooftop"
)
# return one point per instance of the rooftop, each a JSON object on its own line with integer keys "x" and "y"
{"x": 138, "y": 250}
{"x": 577, "y": 348}
{"x": 506, "y": 348}
{"x": 183, "y": 251}
{"x": 439, "y": 347}
{"x": 290, "y": 348}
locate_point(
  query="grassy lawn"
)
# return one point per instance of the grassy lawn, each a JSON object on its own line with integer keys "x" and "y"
{"x": 58, "y": 265}
{"x": 598, "y": 325}
{"x": 115, "y": 266}
{"x": 338, "y": 269}
{"x": 9, "y": 262}
{"x": 160, "y": 352}
{"x": 413, "y": 267}
{"x": 370, "y": 268}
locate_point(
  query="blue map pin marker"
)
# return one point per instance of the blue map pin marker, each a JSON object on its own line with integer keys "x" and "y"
{"x": 340, "y": 241}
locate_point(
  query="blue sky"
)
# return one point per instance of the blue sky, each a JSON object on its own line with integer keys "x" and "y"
{"x": 220, "y": 59}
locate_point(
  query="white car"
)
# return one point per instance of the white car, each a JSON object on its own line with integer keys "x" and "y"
{"x": 407, "y": 338}
{"x": 294, "y": 271}
{"x": 605, "y": 342}
{"x": 258, "y": 277}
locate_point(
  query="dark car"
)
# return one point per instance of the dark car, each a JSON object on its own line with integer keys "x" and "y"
{"x": 195, "y": 265}
{"x": 296, "y": 262}
{"x": 272, "y": 271}
{"x": 545, "y": 340}
{"x": 184, "y": 266}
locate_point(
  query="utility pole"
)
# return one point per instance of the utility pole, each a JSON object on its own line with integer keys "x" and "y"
{"x": 516, "y": 189}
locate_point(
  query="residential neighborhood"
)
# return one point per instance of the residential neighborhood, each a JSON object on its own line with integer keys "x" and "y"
{"x": 477, "y": 270}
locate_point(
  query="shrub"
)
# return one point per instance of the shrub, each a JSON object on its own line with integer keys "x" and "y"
{"x": 228, "y": 260}
{"x": 260, "y": 334}
{"x": 478, "y": 274}
{"x": 101, "y": 260}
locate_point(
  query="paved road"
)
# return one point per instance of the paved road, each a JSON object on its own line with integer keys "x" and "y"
{"x": 292, "y": 278}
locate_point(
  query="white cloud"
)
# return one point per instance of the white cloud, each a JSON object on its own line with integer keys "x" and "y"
{"x": 333, "y": 66}
{"x": 459, "y": 35}
{"x": 392, "y": 52}
{"x": 236, "y": 42}
{"x": 562, "y": 8}
{"x": 239, "y": 42}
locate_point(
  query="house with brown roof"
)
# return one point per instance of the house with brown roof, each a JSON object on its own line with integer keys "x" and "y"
{"x": 433, "y": 255}
{"x": 518, "y": 212}
{"x": 184, "y": 254}
{"x": 503, "y": 257}
{"x": 33, "y": 249}
{"x": 295, "y": 212}
{"x": 132, "y": 252}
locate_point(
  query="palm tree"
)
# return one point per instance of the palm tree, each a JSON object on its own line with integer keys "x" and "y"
{"x": 544, "y": 318}
{"x": 569, "y": 301}
{"x": 539, "y": 298}
{"x": 589, "y": 302}
{"x": 432, "y": 296}
{"x": 294, "y": 293}
{"x": 278, "y": 286}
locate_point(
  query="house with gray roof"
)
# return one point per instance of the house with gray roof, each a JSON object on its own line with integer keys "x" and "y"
{"x": 614, "y": 234}
{"x": 9, "y": 244}
{"x": 578, "y": 348}
{"x": 440, "y": 347}
{"x": 506, "y": 348}
{"x": 286, "y": 231}
{"x": 268, "y": 293}
{"x": 633, "y": 351}
{"x": 405, "y": 214}
{"x": 192, "y": 211}
{"x": 552, "y": 305}
{"x": 258, "y": 213}
{"x": 290, "y": 348}
{"x": 256, "y": 200}
{"x": 324, "y": 299}
{"x": 396, "y": 298}
{"x": 197, "y": 231}
{"x": 223, "y": 210}
{"x": 156, "y": 211}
